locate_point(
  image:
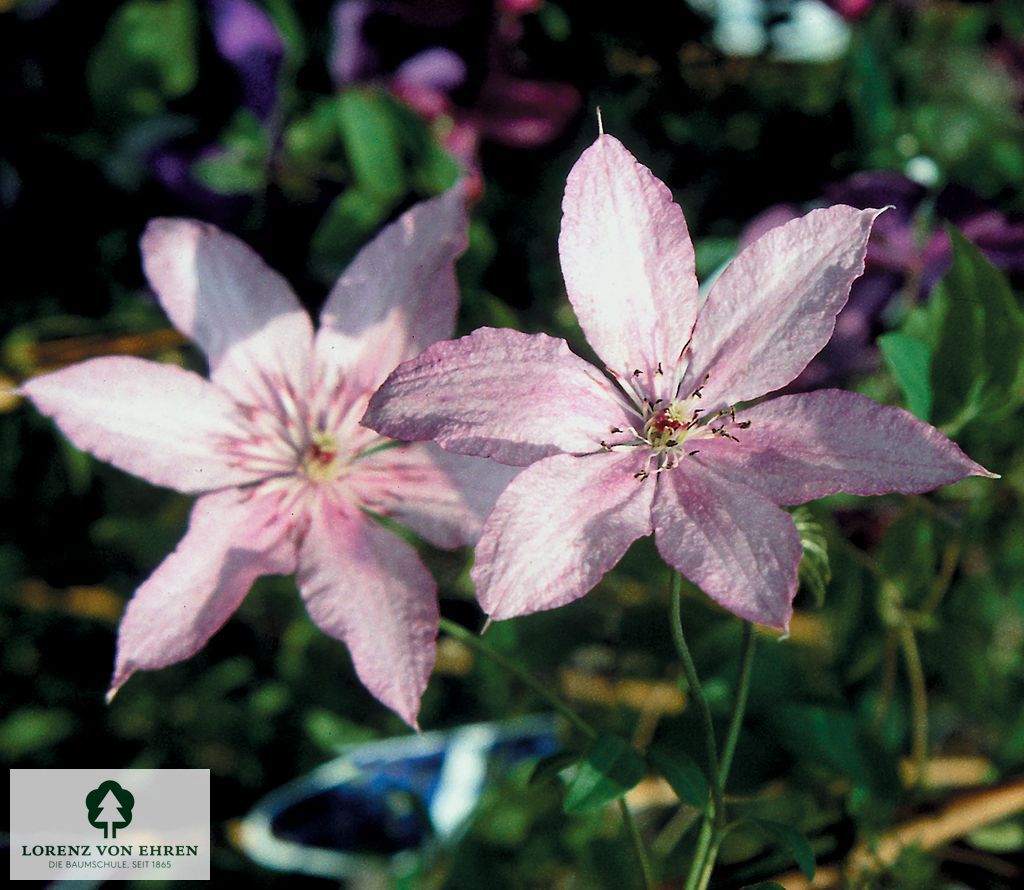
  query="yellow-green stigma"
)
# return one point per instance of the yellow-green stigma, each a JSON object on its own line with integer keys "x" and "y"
{"x": 668, "y": 428}
{"x": 321, "y": 462}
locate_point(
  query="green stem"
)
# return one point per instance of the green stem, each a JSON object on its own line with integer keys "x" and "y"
{"x": 709, "y": 862}
{"x": 525, "y": 677}
{"x": 918, "y": 701}
{"x": 638, "y": 844}
{"x": 740, "y": 707}
{"x": 697, "y": 694}
{"x": 700, "y": 853}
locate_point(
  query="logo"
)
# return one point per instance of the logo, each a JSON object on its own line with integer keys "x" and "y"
{"x": 110, "y": 807}
{"x": 101, "y": 825}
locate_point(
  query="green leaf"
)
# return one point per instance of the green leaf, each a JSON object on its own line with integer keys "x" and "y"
{"x": 229, "y": 174}
{"x": 978, "y": 364}
{"x": 31, "y": 729}
{"x": 610, "y": 768}
{"x": 794, "y": 841}
{"x": 147, "y": 55}
{"x": 683, "y": 773}
{"x": 241, "y": 168}
{"x": 910, "y": 362}
{"x": 815, "y": 570}
{"x": 350, "y": 220}
{"x": 547, "y": 768}
{"x": 370, "y": 134}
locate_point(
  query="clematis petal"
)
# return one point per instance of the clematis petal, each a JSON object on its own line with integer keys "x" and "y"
{"x": 628, "y": 262}
{"x": 368, "y": 588}
{"x": 734, "y": 544}
{"x": 443, "y": 497}
{"x": 501, "y": 394}
{"x": 774, "y": 307}
{"x": 233, "y": 538}
{"x": 805, "y": 446}
{"x": 156, "y": 421}
{"x": 558, "y": 528}
{"x": 241, "y": 313}
{"x": 399, "y": 295}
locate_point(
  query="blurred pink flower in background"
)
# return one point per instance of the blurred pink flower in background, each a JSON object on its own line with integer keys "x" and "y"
{"x": 457, "y": 66}
{"x": 288, "y": 479}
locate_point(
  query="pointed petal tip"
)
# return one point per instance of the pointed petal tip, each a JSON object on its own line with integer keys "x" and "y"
{"x": 120, "y": 678}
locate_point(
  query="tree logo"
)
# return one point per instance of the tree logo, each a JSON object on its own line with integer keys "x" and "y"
{"x": 110, "y": 807}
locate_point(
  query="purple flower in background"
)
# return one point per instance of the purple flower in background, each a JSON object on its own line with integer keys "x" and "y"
{"x": 429, "y": 56}
{"x": 248, "y": 38}
{"x": 850, "y": 9}
{"x": 898, "y": 259}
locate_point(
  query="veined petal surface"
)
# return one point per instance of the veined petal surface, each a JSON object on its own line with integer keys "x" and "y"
{"x": 558, "y": 528}
{"x": 399, "y": 295}
{"x": 737, "y": 546}
{"x": 809, "y": 445}
{"x": 363, "y": 585}
{"x": 443, "y": 497}
{"x": 233, "y": 538}
{"x": 628, "y": 263}
{"x": 501, "y": 394}
{"x": 239, "y": 311}
{"x": 774, "y": 307}
{"x": 159, "y": 422}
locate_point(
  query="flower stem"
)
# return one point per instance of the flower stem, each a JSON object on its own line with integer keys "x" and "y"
{"x": 525, "y": 677}
{"x": 638, "y": 844}
{"x": 712, "y": 829}
{"x": 697, "y": 694}
{"x": 740, "y": 706}
{"x": 918, "y": 701}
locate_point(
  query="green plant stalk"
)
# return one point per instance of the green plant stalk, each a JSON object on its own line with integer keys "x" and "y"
{"x": 527, "y": 679}
{"x": 713, "y": 826}
{"x": 700, "y": 853}
{"x": 918, "y": 700}
{"x": 740, "y": 707}
{"x": 638, "y": 844}
{"x": 697, "y": 694}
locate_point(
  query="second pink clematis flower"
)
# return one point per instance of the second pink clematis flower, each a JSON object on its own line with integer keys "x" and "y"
{"x": 664, "y": 445}
{"x": 273, "y": 446}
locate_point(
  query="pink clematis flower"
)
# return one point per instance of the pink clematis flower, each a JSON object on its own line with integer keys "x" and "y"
{"x": 273, "y": 446}
{"x": 664, "y": 448}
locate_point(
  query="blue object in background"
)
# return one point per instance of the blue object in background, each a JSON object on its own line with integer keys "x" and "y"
{"x": 383, "y": 798}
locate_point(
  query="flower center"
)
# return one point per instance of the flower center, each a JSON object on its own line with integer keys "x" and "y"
{"x": 668, "y": 428}
{"x": 321, "y": 461}
{"x": 671, "y": 432}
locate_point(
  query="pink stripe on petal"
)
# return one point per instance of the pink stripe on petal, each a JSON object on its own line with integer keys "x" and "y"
{"x": 367, "y": 587}
{"x": 774, "y": 307}
{"x": 233, "y": 538}
{"x": 558, "y": 528}
{"x": 737, "y": 546}
{"x": 239, "y": 311}
{"x": 501, "y": 394}
{"x": 628, "y": 264}
{"x": 160, "y": 422}
{"x": 806, "y": 446}
{"x": 443, "y": 497}
{"x": 399, "y": 295}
